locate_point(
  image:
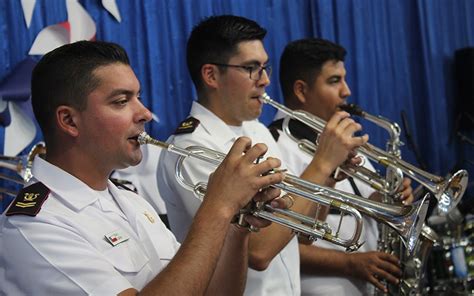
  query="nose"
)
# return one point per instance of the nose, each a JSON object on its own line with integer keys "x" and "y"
{"x": 142, "y": 113}
{"x": 264, "y": 80}
{"x": 346, "y": 91}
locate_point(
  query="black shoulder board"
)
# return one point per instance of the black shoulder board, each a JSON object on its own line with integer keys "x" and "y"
{"x": 124, "y": 184}
{"x": 29, "y": 200}
{"x": 187, "y": 126}
{"x": 274, "y": 127}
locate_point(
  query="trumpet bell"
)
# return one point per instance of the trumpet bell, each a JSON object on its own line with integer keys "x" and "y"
{"x": 451, "y": 191}
{"x": 412, "y": 225}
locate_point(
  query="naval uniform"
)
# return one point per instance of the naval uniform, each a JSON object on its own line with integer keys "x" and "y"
{"x": 204, "y": 128}
{"x": 297, "y": 160}
{"x": 143, "y": 177}
{"x": 79, "y": 241}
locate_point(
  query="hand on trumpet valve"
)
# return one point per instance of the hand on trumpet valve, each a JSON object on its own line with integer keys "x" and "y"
{"x": 337, "y": 141}
{"x": 239, "y": 179}
{"x": 270, "y": 195}
{"x": 338, "y": 175}
{"x": 405, "y": 192}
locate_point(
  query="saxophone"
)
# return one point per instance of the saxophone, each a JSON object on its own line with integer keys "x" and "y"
{"x": 413, "y": 264}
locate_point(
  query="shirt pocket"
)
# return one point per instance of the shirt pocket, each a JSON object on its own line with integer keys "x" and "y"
{"x": 127, "y": 257}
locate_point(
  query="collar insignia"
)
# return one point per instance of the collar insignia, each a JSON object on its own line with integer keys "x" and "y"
{"x": 149, "y": 217}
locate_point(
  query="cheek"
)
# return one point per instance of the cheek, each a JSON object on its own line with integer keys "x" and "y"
{"x": 331, "y": 98}
{"x": 109, "y": 128}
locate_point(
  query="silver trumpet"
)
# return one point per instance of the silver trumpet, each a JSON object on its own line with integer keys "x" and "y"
{"x": 405, "y": 220}
{"x": 448, "y": 192}
{"x": 367, "y": 176}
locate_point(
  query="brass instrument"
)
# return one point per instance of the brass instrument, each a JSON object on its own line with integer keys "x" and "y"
{"x": 21, "y": 164}
{"x": 405, "y": 220}
{"x": 360, "y": 172}
{"x": 413, "y": 264}
{"x": 448, "y": 192}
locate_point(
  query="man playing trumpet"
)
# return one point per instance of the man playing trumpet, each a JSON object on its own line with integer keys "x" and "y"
{"x": 312, "y": 78}
{"x": 73, "y": 232}
{"x": 230, "y": 70}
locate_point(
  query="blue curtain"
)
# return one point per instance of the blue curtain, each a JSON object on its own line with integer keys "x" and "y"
{"x": 400, "y": 55}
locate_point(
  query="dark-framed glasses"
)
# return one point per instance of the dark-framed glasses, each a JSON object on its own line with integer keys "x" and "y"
{"x": 255, "y": 71}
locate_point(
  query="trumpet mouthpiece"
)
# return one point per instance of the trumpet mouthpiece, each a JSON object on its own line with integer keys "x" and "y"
{"x": 352, "y": 109}
{"x": 143, "y": 138}
{"x": 265, "y": 98}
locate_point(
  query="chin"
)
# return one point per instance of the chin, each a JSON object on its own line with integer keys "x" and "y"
{"x": 134, "y": 159}
{"x": 254, "y": 115}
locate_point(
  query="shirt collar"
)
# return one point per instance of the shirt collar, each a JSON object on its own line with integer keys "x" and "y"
{"x": 212, "y": 124}
{"x": 73, "y": 191}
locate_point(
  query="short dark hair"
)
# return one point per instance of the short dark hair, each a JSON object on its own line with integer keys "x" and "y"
{"x": 215, "y": 40}
{"x": 303, "y": 60}
{"x": 64, "y": 76}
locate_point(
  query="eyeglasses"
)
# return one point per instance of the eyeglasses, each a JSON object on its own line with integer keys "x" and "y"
{"x": 255, "y": 71}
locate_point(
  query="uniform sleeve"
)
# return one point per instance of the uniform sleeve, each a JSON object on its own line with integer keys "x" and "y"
{"x": 54, "y": 260}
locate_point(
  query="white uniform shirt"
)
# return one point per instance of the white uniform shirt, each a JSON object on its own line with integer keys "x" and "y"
{"x": 282, "y": 275}
{"x": 143, "y": 177}
{"x": 296, "y": 161}
{"x": 63, "y": 250}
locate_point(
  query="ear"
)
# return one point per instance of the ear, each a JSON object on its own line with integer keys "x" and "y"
{"x": 66, "y": 120}
{"x": 299, "y": 89}
{"x": 210, "y": 74}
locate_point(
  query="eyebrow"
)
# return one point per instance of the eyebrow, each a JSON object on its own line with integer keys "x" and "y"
{"x": 255, "y": 62}
{"x": 120, "y": 91}
{"x": 334, "y": 76}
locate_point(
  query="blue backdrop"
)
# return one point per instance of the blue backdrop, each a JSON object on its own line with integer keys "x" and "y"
{"x": 400, "y": 55}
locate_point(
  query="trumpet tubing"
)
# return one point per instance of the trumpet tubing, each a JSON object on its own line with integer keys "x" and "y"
{"x": 21, "y": 164}
{"x": 373, "y": 179}
{"x": 303, "y": 225}
{"x": 448, "y": 191}
{"x": 406, "y": 220}
{"x": 11, "y": 163}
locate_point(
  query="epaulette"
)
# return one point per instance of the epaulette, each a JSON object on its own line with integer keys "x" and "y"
{"x": 29, "y": 200}
{"x": 274, "y": 127}
{"x": 298, "y": 129}
{"x": 187, "y": 126}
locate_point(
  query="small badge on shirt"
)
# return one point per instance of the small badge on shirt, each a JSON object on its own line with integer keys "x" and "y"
{"x": 149, "y": 217}
{"x": 117, "y": 237}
